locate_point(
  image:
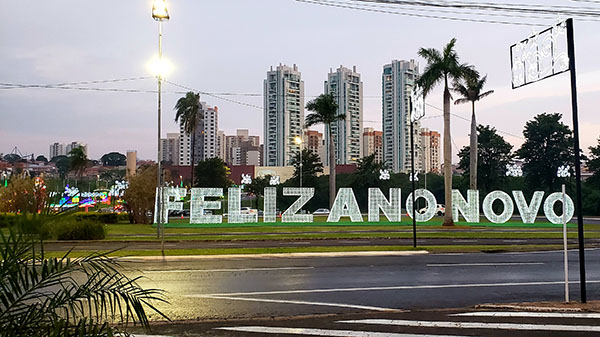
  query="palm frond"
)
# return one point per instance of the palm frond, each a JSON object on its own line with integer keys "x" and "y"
{"x": 38, "y": 294}
{"x": 485, "y": 94}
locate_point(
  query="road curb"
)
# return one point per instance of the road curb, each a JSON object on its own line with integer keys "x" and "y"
{"x": 273, "y": 255}
{"x": 526, "y": 308}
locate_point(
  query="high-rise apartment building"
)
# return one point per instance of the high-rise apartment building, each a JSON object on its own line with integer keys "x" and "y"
{"x": 345, "y": 85}
{"x": 398, "y": 80}
{"x": 56, "y": 149}
{"x": 169, "y": 148}
{"x": 430, "y": 149}
{"x": 283, "y": 114}
{"x": 373, "y": 144}
{"x": 211, "y": 126}
{"x": 205, "y": 140}
{"x": 313, "y": 141}
{"x": 221, "y": 153}
{"x": 74, "y": 145}
{"x": 242, "y": 149}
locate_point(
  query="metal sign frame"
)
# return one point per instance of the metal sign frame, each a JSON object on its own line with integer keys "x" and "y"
{"x": 541, "y": 55}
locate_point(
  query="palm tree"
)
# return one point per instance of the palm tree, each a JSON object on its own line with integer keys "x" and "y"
{"x": 325, "y": 110}
{"x": 444, "y": 66}
{"x": 78, "y": 160}
{"x": 189, "y": 113}
{"x": 471, "y": 91}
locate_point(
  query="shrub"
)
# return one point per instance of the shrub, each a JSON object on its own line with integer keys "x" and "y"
{"x": 84, "y": 229}
{"x": 106, "y": 218}
{"x": 7, "y": 220}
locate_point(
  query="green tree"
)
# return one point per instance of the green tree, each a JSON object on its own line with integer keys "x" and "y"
{"x": 311, "y": 166}
{"x": 471, "y": 90}
{"x": 188, "y": 111}
{"x": 548, "y": 145}
{"x": 325, "y": 111}
{"x": 113, "y": 159}
{"x": 41, "y": 158}
{"x": 23, "y": 194}
{"x": 63, "y": 165}
{"x": 593, "y": 164}
{"x": 140, "y": 196}
{"x": 257, "y": 187}
{"x": 444, "y": 67}
{"x": 494, "y": 153}
{"x": 212, "y": 173}
{"x": 78, "y": 160}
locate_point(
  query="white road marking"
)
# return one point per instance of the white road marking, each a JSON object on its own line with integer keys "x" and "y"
{"x": 232, "y": 270}
{"x": 322, "y": 332}
{"x": 324, "y": 304}
{"x": 528, "y": 314}
{"x": 476, "y": 325}
{"x": 483, "y": 264}
{"x": 433, "y": 286}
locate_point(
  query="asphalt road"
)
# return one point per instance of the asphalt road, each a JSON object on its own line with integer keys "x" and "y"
{"x": 250, "y": 287}
{"x": 357, "y": 288}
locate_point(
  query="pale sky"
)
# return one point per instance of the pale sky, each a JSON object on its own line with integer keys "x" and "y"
{"x": 227, "y": 46}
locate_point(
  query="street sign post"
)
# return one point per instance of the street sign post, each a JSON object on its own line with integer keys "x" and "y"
{"x": 548, "y": 53}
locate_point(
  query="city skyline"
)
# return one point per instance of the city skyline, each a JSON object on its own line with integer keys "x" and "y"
{"x": 37, "y": 57}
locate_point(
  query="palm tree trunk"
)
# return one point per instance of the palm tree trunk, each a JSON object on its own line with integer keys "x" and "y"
{"x": 473, "y": 152}
{"x": 192, "y": 159}
{"x": 447, "y": 159}
{"x": 331, "y": 169}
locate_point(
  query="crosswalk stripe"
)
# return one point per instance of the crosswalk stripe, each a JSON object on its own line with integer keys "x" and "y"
{"x": 477, "y": 325}
{"x": 323, "y": 332}
{"x": 402, "y": 287}
{"x": 325, "y": 304}
{"x": 528, "y": 314}
{"x": 483, "y": 264}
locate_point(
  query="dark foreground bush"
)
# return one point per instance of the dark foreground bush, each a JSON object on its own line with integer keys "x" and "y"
{"x": 79, "y": 230}
{"x": 107, "y": 218}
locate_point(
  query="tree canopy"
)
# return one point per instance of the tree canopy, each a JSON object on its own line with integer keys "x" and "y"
{"x": 212, "y": 173}
{"x": 311, "y": 167}
{"x": 548, "y": 145}
{"x": 113, "y": 159}
{"x": 493, "y": 154}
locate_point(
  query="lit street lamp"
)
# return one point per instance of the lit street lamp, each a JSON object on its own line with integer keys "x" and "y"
{"x": 160, "y": 14}
{"x": 298, "y": 141}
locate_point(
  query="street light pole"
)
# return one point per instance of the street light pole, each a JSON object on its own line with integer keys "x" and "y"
{"x": 160, "y": 14}
{"x": 299, "y": 141}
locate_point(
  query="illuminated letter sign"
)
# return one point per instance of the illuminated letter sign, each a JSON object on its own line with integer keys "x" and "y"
{"x": 528, "y": 213}
{"x": 198, "y": 204}
{"x": 345, "y": 205}
{"x": 234, "y": 209}
{"x": 549, "y": 207}
{"x": 176, "y": 205}
{"x": 305, "y": 194}
{"x": 469, "y": 209}
{"x": 506, "y": 212}
{"x": 430, "y": 208}
{"x": 270, "y": 206}
{"x": 391, "y": 209}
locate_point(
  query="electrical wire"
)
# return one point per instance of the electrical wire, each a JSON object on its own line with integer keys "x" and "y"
{"x": 374, "y": 10}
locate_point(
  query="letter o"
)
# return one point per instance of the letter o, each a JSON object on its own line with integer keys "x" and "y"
{"x": 508, "y": 207}
{"x": 549, "y": 208}
{"x": 431, "y": 207}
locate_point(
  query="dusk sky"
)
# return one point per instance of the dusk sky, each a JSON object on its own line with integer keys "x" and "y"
{"x": 227, "y": 46}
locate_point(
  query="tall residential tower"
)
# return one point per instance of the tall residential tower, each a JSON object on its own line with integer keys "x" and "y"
{"x": 397, "y": 83}
{"x": 283, "y": 114}
{"x": 346, "y": 87}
